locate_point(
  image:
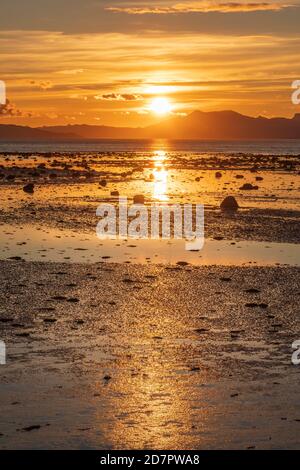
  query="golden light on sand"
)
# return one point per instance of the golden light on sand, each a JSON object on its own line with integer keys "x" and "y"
{"x": 160, "y": 106}
{"x": 159, "y": 156}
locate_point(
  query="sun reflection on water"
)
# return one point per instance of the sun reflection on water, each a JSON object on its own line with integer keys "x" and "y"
{"x": 160, "y": 176}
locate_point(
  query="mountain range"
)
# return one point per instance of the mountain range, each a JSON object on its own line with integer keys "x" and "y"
{"x": 217, "y": 125}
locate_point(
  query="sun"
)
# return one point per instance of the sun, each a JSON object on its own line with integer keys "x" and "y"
{"x": 160, "y": 106}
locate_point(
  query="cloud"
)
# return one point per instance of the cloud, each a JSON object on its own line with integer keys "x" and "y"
{"x": 10, "y": 110}
{"x": 201, "y": 7}
{"x": 77, "y": 96}
{"x": 71, "y": 71}
{"x": 43, "y": 85}
{"x": 119, "y": 97}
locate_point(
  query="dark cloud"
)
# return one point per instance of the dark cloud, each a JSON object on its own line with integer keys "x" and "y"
{"x": 199, "y": 7}
{"x": 92, "y": 16}
{"x": 42, "y": 84}
{"x": 119, "y": 97}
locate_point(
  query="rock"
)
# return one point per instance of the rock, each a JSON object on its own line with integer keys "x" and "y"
{"x": 31, "y": 428}
{"x": 103, "y": 183}
{"x": 229, "y": 204}
{"x": 248, "y": 187}
{"x": 128, "y": 280}
{"x": 258, "y": 178}
{"x": 114, "y": 193}
{"x": 182, "y": 263}
{"x": 29, "y": 188}
{"x": 254, "y": 304}
{"x": 201, "y": 330}
{"x": 218, "y": 174}
{"x": 139, "y": 199}
{"x": 252, "y": 290}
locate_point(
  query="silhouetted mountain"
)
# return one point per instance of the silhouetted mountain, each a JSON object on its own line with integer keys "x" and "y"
{"x": 217, "y": 125}
{"x": 198, "y": 125}
{"x": 9, "y": 132}
{"x": 85, "y": 131}
{"x": 227, "y": 125}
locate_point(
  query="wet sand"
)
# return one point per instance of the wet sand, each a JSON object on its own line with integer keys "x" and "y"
{"x": 112, "y": 349}
{"x": 69, "y": 187}
{"x": 121, "y": 356}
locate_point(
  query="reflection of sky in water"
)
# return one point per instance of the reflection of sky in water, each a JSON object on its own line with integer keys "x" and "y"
{"x": 47, "y": 244}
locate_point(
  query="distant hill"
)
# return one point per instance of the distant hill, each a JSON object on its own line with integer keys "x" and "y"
{"x": 217, "y": 125}
{"x": 87, "y": 132}
{"x": 223, "y": 125}
{"x": 10, "y": 133}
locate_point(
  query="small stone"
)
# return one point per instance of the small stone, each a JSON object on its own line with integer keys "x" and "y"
{"x": 31, "y": 428}
{"x": 201, "y": 330}
{"x": 139, "y": 199}
{"x": 248, "y": 187}
{"x": 29, "y": 188}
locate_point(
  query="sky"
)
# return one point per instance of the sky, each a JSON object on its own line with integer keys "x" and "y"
{"x": 106, "y": 62}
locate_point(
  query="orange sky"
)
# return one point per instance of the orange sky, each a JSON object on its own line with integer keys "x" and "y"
{"x": 103, "y": 62}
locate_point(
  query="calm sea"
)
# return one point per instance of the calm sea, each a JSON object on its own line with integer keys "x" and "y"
{"x": 273, "y": 147}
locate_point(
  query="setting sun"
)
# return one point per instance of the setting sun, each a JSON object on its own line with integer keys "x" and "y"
{"x": 160, "y": 106}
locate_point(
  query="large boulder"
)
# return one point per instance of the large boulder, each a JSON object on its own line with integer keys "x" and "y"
{"x": 229, "y": 204}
